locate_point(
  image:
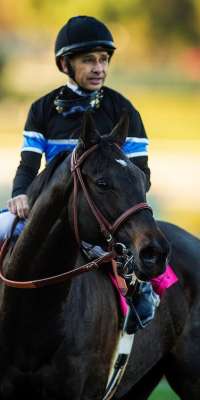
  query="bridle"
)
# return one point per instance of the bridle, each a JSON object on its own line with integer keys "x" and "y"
{"x": 106, "y": 228}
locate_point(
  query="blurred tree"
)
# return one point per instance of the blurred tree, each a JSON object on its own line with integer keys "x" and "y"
{"x": 160, "y": 21}
{"x": 166, "y": 19}
{"x": 2, "y": 69}
{"x": 171, "y": 19}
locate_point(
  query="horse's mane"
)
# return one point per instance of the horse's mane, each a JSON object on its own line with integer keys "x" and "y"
{"x": 41, "y": 181}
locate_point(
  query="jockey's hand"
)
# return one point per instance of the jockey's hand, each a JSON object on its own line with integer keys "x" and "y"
{"x": 19, "y": 206}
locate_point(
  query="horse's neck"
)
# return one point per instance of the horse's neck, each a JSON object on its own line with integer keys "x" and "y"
{"x": 37, "y": 309}
{"x": 34, "y": 260}
{"x": 45, "y": 248}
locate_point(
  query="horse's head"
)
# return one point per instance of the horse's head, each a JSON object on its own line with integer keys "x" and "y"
{"x": 115, "y": 185}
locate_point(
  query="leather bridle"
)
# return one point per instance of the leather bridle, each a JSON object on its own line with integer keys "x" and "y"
{"x": 106, "y": 228}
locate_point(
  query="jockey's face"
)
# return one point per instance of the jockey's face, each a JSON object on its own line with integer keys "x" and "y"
{"x": 90, "y": 69}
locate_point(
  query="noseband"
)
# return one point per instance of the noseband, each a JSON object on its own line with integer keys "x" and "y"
{"x": 106, "y": 228}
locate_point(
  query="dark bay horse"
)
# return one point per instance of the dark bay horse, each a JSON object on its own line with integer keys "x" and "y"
{"x": 56, "y": 342}
{"x": 170, "y": 345}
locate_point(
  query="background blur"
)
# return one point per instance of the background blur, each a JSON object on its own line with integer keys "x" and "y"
{"x": 157, "y": 65}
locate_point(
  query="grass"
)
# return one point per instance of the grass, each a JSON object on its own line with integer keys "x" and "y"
{"x": 163, "y": 392}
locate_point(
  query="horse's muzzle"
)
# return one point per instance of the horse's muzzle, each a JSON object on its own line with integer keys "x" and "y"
{"x": 152, "y": 259}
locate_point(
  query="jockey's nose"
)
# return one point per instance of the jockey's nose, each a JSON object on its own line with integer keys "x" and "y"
{"x": 98, "y": 68}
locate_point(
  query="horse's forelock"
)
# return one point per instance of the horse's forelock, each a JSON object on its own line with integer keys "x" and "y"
{"x": 105, "y": 156}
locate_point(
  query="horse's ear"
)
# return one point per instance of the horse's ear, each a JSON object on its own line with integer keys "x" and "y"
{"x": 120, "y": 131}
{"x": 89, "y": 135}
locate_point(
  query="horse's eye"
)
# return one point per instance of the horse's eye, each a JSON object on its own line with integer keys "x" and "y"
{"x": 102, "y": 183}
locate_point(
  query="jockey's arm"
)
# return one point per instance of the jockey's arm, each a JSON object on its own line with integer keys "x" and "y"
{"x": 26, "y": 172}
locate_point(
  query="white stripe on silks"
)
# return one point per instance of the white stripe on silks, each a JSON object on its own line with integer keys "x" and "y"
{"x": 136, "y": 154}
{"x": 75, "y": 141}
{"x": 62, "y": 141}
{"x": 34, "y": 134}
{"x": 137, "y": 140}
{"x": 34, "y": 149}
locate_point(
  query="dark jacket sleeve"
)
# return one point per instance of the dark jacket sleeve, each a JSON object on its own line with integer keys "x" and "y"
{"x": 136, "y": 129}
{"x": 33, "y": 147}
{"x": 136, "y": 146}
{"x": 26, "y": 172}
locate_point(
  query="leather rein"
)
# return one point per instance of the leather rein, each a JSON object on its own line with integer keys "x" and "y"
{"x": 106, "y": 229}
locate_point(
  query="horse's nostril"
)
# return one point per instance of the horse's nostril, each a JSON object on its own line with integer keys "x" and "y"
{"x": 151, "y": 255}
{"x": 148, "y": 254}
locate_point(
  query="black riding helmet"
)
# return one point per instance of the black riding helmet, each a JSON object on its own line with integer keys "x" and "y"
{"x": 81, "y": 34}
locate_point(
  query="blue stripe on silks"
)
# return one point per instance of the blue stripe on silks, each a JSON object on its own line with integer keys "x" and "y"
{"x": 53, "y": 149}
{"x": 35, "y": 143}
{"x": 135, "y": 146}
{"x": 132, "y": 147}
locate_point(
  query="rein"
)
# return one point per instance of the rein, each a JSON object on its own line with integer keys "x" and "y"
{"x": 52, "y": 280}
{"x": 106, "y": 228}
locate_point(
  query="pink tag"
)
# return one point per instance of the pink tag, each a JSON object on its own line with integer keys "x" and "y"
{"x": 164, "y": 281}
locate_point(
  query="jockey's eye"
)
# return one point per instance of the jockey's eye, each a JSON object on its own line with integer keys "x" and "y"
{"x": 102, "y": 183}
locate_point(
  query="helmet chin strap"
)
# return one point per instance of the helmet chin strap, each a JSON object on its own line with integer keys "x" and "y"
{"x": 71, "y": 72}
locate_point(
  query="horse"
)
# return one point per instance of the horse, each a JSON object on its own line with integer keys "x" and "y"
{"x": 170, "y": 344}
{"x": 57, "y": 341}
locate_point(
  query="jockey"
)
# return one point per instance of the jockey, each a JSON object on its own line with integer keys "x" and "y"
{"x": 83, "y": 51}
